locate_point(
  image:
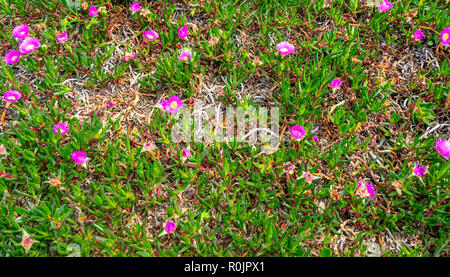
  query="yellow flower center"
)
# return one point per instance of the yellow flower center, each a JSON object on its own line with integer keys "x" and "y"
{"x": 185, "y": 58}
{"x": 30, "y": 47}
{"x": 284, "y": 49}
{"x": 11, "y": 97}
{"x": 150, "y": 36}
{"x": 445, "y": 36}
{"x": 174, "y": 105}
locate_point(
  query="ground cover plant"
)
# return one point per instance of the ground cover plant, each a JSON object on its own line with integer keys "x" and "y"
{"x": 90, "y": 94}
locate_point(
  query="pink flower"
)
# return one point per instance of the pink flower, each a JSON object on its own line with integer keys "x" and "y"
{"x": 183, "y": 32}
{"x": 297, "y": 132}
{"x": 443, "y": 147}
{"x": 161, "y": 104}
{"x": 149, "y": 146}
{"x": 419, "y": 171}
{"x": 79, "y": 157}
{"x": 170, "y": 226}
{"x": 185, "y": 55}
{"x": 151, "y": 35}
{"x": 12, "y": 57}
{"x": 29, "y": 45}
{"x": 285, "y": 48}
{"x": 385, "y": 6}
{"x": 365, "y": 190}
{"x": 315, "y": 138}
{"x": 186, "y": 153}
{"x": 93, "y": 11}
{"x": 336, "y": 83}
{"x": 173, "y": 104}
{"x": 135, "y": 6}
{"x": 111, "y": 104}
{"x": 445, "y": 36}
{"x": 308, "y": 177}
{"x": 60, "y": 127}
{"x": 419, "y": 35}
{"x": 21, "y": 31}
{"x": 12, "y": 96}
{"x": 62, "y": 37}
{"x": 289, "y": 169}
{"x": 128, "y": 57}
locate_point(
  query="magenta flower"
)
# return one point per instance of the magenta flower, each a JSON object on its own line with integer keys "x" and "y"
{"x": 315, "y": 138}
{"x": 297, "y": 132}
{"x": 285, "y": 48}
{"x": 151, "y": 35}
{"x": 185, "y": 55}
{"x": 445, "y": 36}
{"x": 289, "y": 169}
{"x": 12, "y": 57}
{"x": 170, "y": 226}
{"x": 443, "y": 147}
{"x": 29, "y": 45}
{"x": 79, "y": 157}
{"x": 419, "y": 171}
{"x": 12, "y": 96}
{"x": 135, "y": 6}
{"x": 186, "y": 153}
{"x": 62, "y": 37}
{"x": 61, "y": 128}
{"x": 419, "y": 35}
{"x": 21, "y": 31}
{"x": 93, "y": 12}
{"x": 111, "y": 104}
{"x": 128, "y": 57}
{"x": 336, "y": 83}
{"x": 385, "y": 6}
{"x": 161, "y": 104}
{"x": 173, "y": 104}
{"x": 183, "y": 32}
{"x": 365, "y": 190}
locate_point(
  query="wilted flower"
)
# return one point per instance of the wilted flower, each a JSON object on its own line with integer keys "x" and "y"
{"x": 443, "y": 147}
{"x": 2, "y": 150}
{"x": 29, "y": 45}
{"x": 60, "y": 127}
{"x": 308, "y": 177}
{"x": 385, "y": 6}
{"x": 93, "y": 12}
{"x": 289, "y": 169}
{"x": 135, "y": 6}
{"x": 173, "y": 104}
{"x": 79, "y": 157}
{"x": 56, "y": 182}
{"x": 161, "y": 104}
{"x": 186, "y": 153}
{"x": 419, "y": 171}
{"x": 297, "y": 132}
{"x": 12, "y": 57}
{"x": 336, "y": 83}
{"x": 170, "y": 226}
{"x": 21, "y": 31}
{"x": 111, "y": 104}
{"x": 213, "y": 40}
{"x": 445, "y": 36}
{"x": 151, "y": 35}
{"x": 285, "y": 48}
{"x": 185, "y": 55}
{"x": 365, "y": 190}
{"x": 128, "y": 57}
{"x": 12, "y": 96}
{"x": 149, "y": 146}
{"x": 419, "y": 35}
{"x": 62, "y": 37}
{"x": 27, "y": 241}
{"x": 183, "y": 32}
